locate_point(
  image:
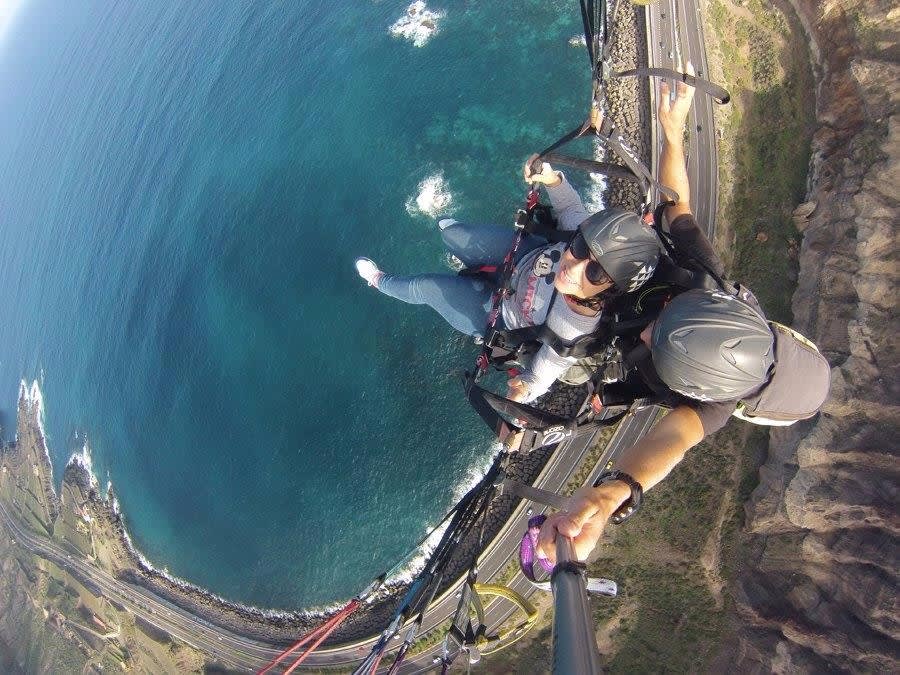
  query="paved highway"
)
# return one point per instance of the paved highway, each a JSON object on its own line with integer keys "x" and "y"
{"x": 676, "y": 34}
{"x": 677, "y": 37}
{"x": 230, "y": 649}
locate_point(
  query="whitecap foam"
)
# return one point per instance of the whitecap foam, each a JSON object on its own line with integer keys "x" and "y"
{"x": 418, "y": 24}
{"x": 83, "y": 460}
{"x": 416, "y": 563}
{"x": 578, "y": 40}
{"x": 599, "y": 183}
{"x": 433, "y": 197}
{"x": 454, "y": 263}
{"x": 112, "y": 500}
{"x": 31, "y": 401}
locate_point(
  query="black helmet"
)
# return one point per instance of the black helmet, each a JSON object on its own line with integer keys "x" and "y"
{"x": 711, "y": 346}
{"x": 627, "y": 249}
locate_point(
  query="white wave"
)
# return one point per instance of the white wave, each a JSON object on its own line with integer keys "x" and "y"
{"x": 31, "y": 401}
{"x": 475, "y": 472}
{"x": 417, "y": 24}
{"x": 112, "y": 500}
{"x": 416, "y": 563}
{"x": 454, "y": 263}
{"x": 433, "y": 197}
{"x": 83, "y": 460}
{"x": 599, "y": 183}
{"x": 578, "y": 40}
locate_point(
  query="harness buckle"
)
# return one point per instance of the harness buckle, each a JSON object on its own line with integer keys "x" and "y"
{"x": 495, "y": 340}
{"x": 521, "y": 219}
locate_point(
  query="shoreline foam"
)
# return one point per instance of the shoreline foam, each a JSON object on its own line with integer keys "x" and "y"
{"x": 268, "y": 626}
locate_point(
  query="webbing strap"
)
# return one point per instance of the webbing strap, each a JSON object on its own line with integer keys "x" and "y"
{"x": 587, "y": 21}
{"x": 614, "y": 140}
{"x": 580, "y": 347}
{"x": 535, "y": 494}
{"x": 316, "y": 637}
{"x": 589, "y": 165}
{"x": 551, "y": 233}
{"x": 577, "y": 132}
{"x": 718, "y": 93}
{"x": 608, "y": 134}
{"x": 509, "y": 261}
{"x": 493, "y": 405}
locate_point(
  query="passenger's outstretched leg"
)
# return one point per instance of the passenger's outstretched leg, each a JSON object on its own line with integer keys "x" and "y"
{"x": 481, "y": 244}
{"x": 476, "y": 245}
{"x": 463, "y": 302}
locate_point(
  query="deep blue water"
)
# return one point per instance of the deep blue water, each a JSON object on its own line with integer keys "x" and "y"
{"x": 183, "y": 189}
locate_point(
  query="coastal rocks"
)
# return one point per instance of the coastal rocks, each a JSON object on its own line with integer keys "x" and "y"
{"x": 801, "y": 215}
{"x": 417, "y": 24}
{"x": 90, "y": 521}
{"x": 31, "y": 433}
{"x": 628, "y": 102}
{"x": 819, "y": 588}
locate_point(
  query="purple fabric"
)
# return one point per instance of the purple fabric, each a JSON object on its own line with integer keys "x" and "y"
{"x": 528, "y": 548}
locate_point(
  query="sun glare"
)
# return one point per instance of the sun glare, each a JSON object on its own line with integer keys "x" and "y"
{"x": 8, "y": 9}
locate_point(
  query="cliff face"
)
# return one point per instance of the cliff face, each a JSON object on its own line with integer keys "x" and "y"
{"x": 819, "y": 590}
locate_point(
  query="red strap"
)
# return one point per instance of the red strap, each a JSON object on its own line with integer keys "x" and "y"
{"x": 319, "y": 634}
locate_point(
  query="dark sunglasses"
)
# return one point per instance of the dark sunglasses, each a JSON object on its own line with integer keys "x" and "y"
{"x": 594, "y": 271}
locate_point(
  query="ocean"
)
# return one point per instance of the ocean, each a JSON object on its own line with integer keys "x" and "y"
{"x": 183, "y": 190}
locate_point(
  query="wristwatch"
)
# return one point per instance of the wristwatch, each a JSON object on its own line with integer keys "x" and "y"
{"x": 630, "y": 506}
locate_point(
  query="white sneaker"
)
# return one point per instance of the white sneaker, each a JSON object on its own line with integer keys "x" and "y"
{"x": 368, "y": 271}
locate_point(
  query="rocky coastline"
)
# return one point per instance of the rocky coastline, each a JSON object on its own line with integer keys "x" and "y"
{"x": 101, "y": 510}
{"x": 821, "y": 536}
{"x": 628, "y": 101}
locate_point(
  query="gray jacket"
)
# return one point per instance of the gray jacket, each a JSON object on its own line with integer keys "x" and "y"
{"x": 533, "y": 301}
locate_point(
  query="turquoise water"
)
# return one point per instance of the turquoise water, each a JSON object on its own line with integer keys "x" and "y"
{"x": 183, "y": 190}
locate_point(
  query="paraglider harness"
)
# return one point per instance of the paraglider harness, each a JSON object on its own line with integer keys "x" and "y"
{"x": 540, "y": 426}
{"x": 612, "y": 348}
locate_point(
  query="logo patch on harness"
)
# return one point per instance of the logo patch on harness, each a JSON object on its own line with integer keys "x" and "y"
{"x": 555, "y": 434}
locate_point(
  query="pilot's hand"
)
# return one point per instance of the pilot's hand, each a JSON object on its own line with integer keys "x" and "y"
{"x": 673, "y": 114}
{"x": 583, "y": 522}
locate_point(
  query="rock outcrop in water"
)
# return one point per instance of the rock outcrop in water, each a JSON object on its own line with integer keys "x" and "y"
{"x": 819, "y": 590}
